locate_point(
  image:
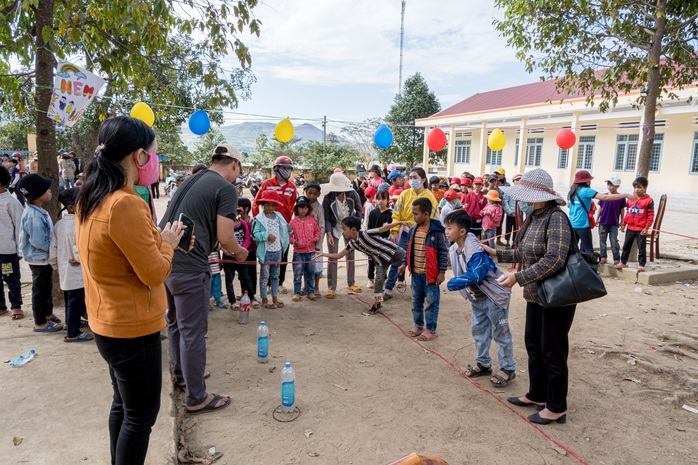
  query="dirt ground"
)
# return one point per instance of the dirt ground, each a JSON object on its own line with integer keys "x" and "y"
{"x": 370, "y": 395}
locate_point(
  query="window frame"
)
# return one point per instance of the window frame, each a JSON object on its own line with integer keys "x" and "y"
{"x": 465, "y": 146}
{"x": 534, "y": 143}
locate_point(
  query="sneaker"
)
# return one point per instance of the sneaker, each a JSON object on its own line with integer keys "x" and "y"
{"x": 374, "y": 308}
{"x": 621, "y": 266}
{"x": 640, "y": 269}
{"x": 370, "y": 284}
{"x": 602, "y": 261}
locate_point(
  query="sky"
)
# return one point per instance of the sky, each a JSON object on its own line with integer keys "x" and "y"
{"x": 340, "y": 58}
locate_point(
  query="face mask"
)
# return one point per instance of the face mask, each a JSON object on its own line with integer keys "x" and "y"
{"x": 362, "y": 175}
{"x": 526, "y": 208}
{"x": 148, "y": 173}
{"x": 415, "y": 183}
{"x": 284, "y": 173}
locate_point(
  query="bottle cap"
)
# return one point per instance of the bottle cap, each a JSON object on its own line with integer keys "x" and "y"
{"x": 288, "y": 364}
{"x": 262, "y": 323}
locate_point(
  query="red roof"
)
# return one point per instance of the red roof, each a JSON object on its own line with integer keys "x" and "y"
{"x": 527, "y": 94}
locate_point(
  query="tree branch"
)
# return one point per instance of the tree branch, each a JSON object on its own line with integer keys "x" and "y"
{"x": 675, "y": 27}
{"x": 28, "y": 74}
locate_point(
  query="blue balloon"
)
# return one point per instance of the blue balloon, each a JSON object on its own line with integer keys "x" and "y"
{"x": 199, "y": 123}
{"x": 383, "y": 138}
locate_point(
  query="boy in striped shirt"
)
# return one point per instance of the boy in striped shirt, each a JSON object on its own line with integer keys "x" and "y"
{"x": 383, "y": 251}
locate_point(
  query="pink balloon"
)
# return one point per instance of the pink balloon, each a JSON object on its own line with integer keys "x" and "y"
{"x": 436, "y": 140}
{"x": 565, "y": 139}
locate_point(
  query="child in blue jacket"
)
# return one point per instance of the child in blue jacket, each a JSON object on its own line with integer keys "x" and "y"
{"x": 270, "y": 232}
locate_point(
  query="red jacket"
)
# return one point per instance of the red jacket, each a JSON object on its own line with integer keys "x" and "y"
{"x": 640, "y": 214}
{"x": 475, "y": 202}
{"x": 287, "y": 193}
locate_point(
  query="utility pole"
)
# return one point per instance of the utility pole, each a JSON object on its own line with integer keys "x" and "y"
{"x": 402, "y": 36}
{"x": 324, "y": 135}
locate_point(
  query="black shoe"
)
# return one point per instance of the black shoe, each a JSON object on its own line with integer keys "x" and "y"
{"x": 520, "y": 403}
{"x": 536, "y": 418}
{"x": 374, "y": 308}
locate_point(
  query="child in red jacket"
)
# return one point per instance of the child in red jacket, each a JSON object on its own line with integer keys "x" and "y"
{"x": 304, "y": 234}
{"x": 639, "y": 217}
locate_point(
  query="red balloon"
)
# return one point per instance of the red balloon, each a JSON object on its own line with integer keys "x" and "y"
{"x": 565, "y": 139}
{"x": 436, "y": 140}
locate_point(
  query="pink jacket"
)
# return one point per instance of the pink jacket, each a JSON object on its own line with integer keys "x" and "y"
{"x": 494, "y": 219}
{"x": 306, "y": 233}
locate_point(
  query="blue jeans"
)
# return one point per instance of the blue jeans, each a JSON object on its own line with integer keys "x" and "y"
{"x": 492, "y": 322}
{"x": 306, "y": 268}
{"x": 270, "y": 272}
{"x": 216, "y": 290}
{"x": 12, "y": 276}
{"x": 606, "y": 230}
{"x": 489, "y": 234}
{"x": 392, "y": 276}
{"x": 422, "y": 291}
{"x": 584, "y": 235}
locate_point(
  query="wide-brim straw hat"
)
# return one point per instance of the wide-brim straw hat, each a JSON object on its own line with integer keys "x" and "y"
{"x": 338, "y": 183}
{"x": 534, "y": 186}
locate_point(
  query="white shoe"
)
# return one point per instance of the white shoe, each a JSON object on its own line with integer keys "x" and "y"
{"x": 370, "y": 283}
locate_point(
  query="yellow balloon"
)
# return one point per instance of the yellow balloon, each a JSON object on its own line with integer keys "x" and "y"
{"x": 284, "y": 130}
{"x": 496, "y": 141}
{"x": 143, "y": 112}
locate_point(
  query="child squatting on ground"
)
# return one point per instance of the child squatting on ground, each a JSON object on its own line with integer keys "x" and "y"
{"x": 427, "y": 258}
{"x": 639, "y": 218}
{"x": 381, "y": 250}
{"x": 305, "y": 233}
{"x": 35, "y": 244}
{"x": 10, "y": 225}
{"x": 64, "y": 258}
{"x": 270, "y": 232}
{"x": 475, "y": 277}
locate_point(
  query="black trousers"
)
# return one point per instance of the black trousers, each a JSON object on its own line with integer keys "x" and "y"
{"x": 371, "y": 269}
{"x": 155, "y": 189}
{"x": 243, "y": 275}
{"x": 641, "y": 240}
{"x": 12, "y": 276}
{"x": 282, "y": 268}
{"x": 42, "y": 292}
{"x": 547, "y": 346}
{"x": 74, "y": 310}
{"x": 510, "y": 226}
{"x": 135, "y": 367}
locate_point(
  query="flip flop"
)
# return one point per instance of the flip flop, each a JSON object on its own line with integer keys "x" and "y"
{"x": 329, "y": 295}
{"x": 211, "y": 406}
{"x": 356, "y": 289}
{"x": 427, "y": 336}
{"x": 414, "y": 332}
{"x": 55, "y": 320}
{"x": 255, "y": 304}
{"x": 17, "y": 314}
{"x": 49, "y": 328}
{"x": 82, "y": 337}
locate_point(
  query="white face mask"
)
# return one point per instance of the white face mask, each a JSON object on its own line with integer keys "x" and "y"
{"x": 415, "y": 183}
{"x": 526, "y": 208}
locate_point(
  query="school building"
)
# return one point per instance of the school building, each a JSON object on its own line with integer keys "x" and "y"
{"x": 607, "y": 143}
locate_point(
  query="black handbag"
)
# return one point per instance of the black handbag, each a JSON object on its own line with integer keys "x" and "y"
{"x": 576, "y": 282}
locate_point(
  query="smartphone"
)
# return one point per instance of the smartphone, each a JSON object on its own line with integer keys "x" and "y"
{"x": 188, "y": 233}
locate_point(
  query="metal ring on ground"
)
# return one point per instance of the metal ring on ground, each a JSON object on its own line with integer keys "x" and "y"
{"x": 280, "y": 415}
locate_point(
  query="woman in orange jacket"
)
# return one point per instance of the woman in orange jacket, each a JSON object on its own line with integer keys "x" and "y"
{"x": 125, "y": 260}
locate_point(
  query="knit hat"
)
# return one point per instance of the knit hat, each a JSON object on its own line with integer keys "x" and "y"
{"x": 450, "y": 195}
{"x": 370, "y": 192}
{"x": 534, "y": 186}
{"x": 303, "y": 200}
{"x": 493, "y": 195}
{"x": 33, "y": 186}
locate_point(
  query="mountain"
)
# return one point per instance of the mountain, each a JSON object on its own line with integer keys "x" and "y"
{"x": 244, "y": 135}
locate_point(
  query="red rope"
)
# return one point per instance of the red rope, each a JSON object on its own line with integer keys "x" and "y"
{"x": 455, "y": 367}
{"x": 676, "y": 234}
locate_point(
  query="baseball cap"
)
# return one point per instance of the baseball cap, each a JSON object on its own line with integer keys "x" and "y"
{"x": 450, "y": 195}
{"x": 500, "y": 171}
{"x": 370, "y": 192}
{"x": 227, "y": 150}
{"x": 615, "y": 180}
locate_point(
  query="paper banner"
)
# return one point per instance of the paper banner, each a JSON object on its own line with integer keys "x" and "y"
{"x": 73, "y": 90}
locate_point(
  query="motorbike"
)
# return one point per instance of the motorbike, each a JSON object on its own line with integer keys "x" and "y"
{"x": 170, "y": 181}
{"x": 299, "y": 180}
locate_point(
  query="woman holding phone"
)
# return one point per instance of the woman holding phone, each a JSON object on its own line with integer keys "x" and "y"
{"x": 125, "y": 259}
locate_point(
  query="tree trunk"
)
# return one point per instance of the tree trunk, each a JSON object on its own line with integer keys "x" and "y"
{"x": 653, "y": 88}
{"x": 45, "y": 127}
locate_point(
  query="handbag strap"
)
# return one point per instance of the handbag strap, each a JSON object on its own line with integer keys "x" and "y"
{"x": 574, "y": 248}
{"x": 582, "y": 202}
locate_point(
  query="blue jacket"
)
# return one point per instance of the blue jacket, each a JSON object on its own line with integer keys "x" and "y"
{"x": 481, "y": 272}
{"x": 35, "y": 234}
{"x": 260, "y": 234}
{"x": 436, "y": 250}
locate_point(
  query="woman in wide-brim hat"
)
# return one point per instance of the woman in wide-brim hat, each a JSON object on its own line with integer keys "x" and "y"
{"x": 542, "y": 246}
{"x": 340, "y": 201}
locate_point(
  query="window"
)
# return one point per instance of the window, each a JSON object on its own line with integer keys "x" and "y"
{"x": 626, "y": 152}
{"x": 463, "y": 134}
{"x": 516, "y": 154}
{"x": 588, "y": 127}
{"x": 656, "y": 157}
{"x": 462, "y": 154}
{"x": 494, "y": 158}
{"x": 534, "y": 151}
{"x": 585, "y": 156}
{"x": 562, "y": 158}
{"x": 694, "y": 161}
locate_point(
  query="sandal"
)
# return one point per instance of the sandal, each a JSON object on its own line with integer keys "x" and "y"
{"x": 279, "y": 304}
{"x": 329, "y": 295}
{"x": 213, "y": 405}
{"x": 499, "y": 380}
{"x": 254, "y": 304}
{"x": 3, "y": 311}
{"x": 235, "y": 307}
{"x": 471, "y": 372}
{"x": 54, "y": 319}
{"x": 49, "y": 328}
{"x": 374, "y": 308}
{"x": 17, "y": 314}
{"x": 269, "y": 305}
{"x": 311, "y": 297}
{"x": 283, "y": 290}
{"x": 354, "y": 288}
{"x": 427, "y": 336}
{"x": 296, "y": 298}
{"x": 414, "y": 332}
{"x": 82, "y": 337}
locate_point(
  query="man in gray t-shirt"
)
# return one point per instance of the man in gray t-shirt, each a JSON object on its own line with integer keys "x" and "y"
{"x": 210, "y": 200}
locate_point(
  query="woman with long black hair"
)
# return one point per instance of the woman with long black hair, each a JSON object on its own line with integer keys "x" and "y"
{"x": 125, "y": 260}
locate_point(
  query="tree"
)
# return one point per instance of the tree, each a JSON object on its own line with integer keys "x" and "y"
{"x": 416, "y": 101}
{"x": 13, "y": 137}
{"x": 206, "y": 144}
{"x": 267, "y": 151}
{"x": 138, "y": 46}
{"x": 170, "y": 145}
{"x": 323, "y": 159}
{"x": 607, "y": 48}
{"x": 360, "y": 135}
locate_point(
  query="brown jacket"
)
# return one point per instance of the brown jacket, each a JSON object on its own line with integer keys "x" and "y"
{"x": 124, "y": 264}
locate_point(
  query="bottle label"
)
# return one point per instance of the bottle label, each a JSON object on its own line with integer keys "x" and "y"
{"x": 288, "y": 395}
{"x": 244, "y": 307}
{"x": 263, "y": 346}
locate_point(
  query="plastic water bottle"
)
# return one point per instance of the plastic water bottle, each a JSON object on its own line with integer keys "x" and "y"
{"x": 23, "y": 359}
{"x": 288, "y": 388}
{"x": 244, "y": 315}
{"x": 263, "y": 343}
